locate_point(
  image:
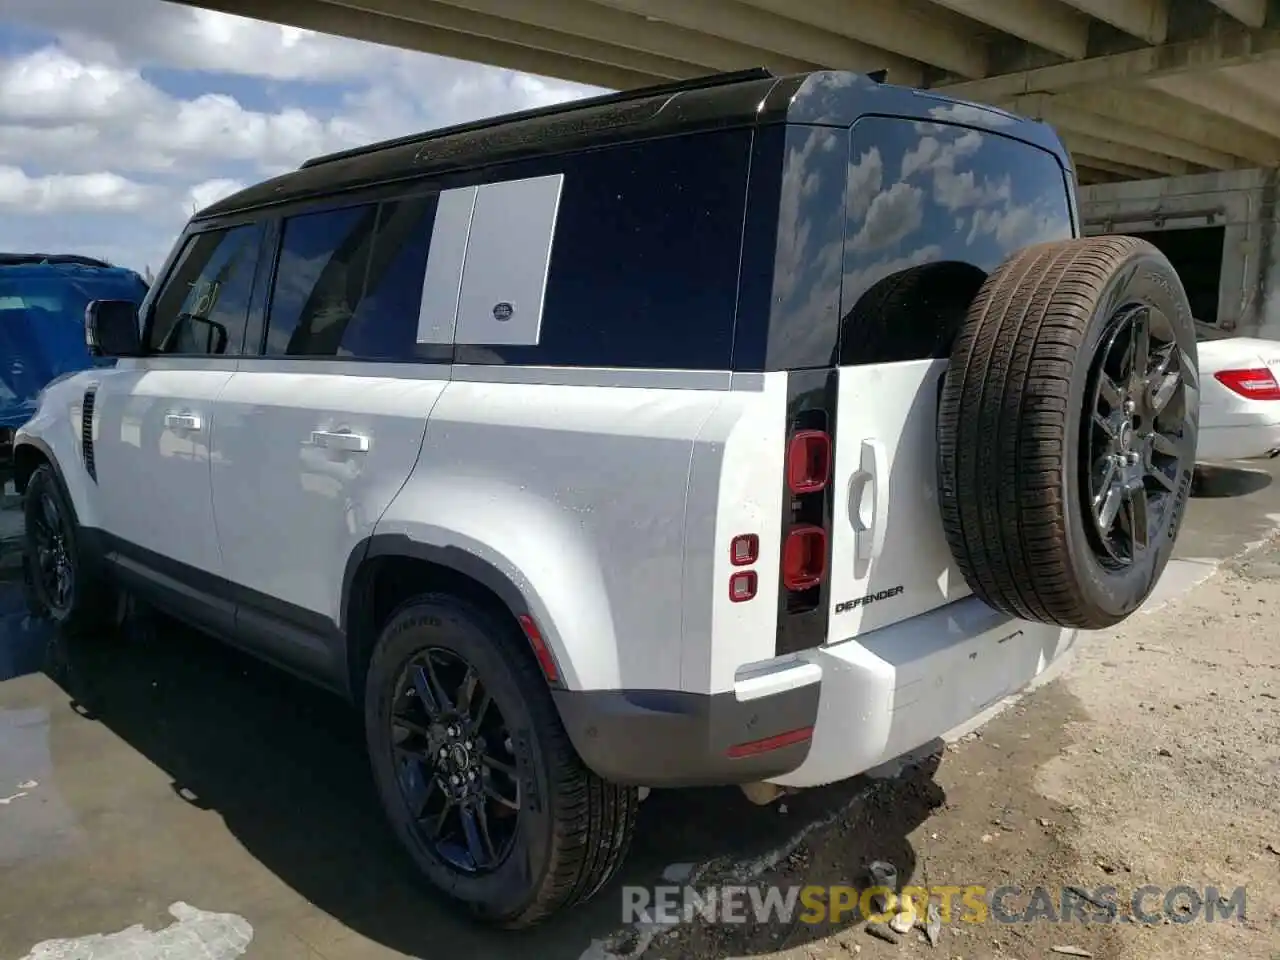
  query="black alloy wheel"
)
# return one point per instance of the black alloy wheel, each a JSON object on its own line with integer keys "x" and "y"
{"x": 454, "y": 761}
{"x": 1133, "y": 450}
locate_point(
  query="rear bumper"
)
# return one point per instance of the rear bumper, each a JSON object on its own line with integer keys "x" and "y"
{"x": 666, "y": 738}
{"x": 837, "y": 711}
{"x": 904, "y": 686}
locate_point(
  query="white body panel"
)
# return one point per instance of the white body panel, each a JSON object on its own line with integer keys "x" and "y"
{"x": 890, "y": 560}
{"x": 292, "y": 497}
{"x": 577, "y": 494}
{"x": 56, "y": 424}
{"x": 153, "y": 422}
{"x": 735, "y": 487}
{"x": 1233, "y": 427}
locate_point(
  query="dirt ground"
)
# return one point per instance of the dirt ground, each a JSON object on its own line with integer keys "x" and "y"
{"x": 1154, "y": 759}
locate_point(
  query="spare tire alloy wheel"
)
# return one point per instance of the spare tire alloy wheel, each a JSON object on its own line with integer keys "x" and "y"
{"x": 455, "y": 762}
{"x": 1067, "y": 427}
{"x": 1135, "y": 456}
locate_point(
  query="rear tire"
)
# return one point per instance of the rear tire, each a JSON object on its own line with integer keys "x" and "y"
{"x": 61, "y": 581}
{"x": 571, "y": 831}
{"x": 1063, "y": 474}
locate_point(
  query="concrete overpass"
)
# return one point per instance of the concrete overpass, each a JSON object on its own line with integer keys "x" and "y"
{"x": 1137, "y": 88}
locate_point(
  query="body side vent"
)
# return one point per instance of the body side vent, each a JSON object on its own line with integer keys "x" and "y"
{"x": 86, "y": 433}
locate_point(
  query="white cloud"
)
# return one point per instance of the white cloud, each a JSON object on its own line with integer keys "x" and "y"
{"x": 893, "y": 215}
{"x": 865, "y": 178}
{"x": 70, "y": 193}
{"x": 149, "y": 109}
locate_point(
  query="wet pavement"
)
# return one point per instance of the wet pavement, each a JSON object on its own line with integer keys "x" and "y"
{"x": 163, "y": 768}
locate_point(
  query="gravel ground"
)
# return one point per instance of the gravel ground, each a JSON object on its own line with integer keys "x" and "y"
{"x": 1154, "y": 759}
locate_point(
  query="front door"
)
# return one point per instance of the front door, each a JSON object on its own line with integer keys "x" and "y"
{"x": 154, "y": 420}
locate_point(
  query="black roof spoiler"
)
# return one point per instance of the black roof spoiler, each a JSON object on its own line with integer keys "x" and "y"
{"x": 622, "y": 96}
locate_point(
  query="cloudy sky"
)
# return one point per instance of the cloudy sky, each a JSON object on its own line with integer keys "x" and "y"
{"x": 118, "y": 118}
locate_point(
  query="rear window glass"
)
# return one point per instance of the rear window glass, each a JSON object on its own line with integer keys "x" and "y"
{"x": 932, "y": 208}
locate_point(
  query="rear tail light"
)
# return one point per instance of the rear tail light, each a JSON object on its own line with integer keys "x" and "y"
{"x": 808, "y": 461}
{"x": 1255, "y": 383}
{"x": 742, "y": 585}
{"x": 744, "y": 550}
{"x": 804, "y": 557}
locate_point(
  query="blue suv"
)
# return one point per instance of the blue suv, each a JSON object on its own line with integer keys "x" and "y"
{"x": 42, "y": 303}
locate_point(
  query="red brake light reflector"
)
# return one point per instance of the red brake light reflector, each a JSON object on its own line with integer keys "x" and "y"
{"x": 1255, "y": 383}
{"x": 754, "y": 747}
{"x": 742, "y": 586}
{"x": 744, "y": 550}
{"x": 808, "y": 461}
{"x": 804, "y": 557}
{"x": 540, "y": 649}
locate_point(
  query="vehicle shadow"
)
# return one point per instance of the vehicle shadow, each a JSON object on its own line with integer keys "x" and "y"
{"x": 283, "y": 765}
{"x": 1223, "y": 481}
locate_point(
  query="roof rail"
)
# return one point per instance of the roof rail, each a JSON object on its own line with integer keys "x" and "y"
{"x": 18, "y": 259}
{"x": 622, "y": 96}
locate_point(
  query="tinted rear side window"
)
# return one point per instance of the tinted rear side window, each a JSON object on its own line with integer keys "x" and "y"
{"x": 644, "y": 262}
{"x": 349, "y": 281}
{"x": 931, "y": 209}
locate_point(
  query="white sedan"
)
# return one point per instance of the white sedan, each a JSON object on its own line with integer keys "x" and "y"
{"x": 1239, "y": 397}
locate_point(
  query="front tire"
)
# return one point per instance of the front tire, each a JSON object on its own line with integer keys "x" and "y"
{"x": 60, "y": 581}
{"x": 475, "y": 771}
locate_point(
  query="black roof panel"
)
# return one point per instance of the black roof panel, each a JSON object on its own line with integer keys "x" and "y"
{"x": 750, "y": 97}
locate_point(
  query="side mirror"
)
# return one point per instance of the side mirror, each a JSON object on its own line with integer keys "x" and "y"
{"x": 111, "y": 329}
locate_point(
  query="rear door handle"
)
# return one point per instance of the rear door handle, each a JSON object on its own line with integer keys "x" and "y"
{"x": 869, "y": 500}
{"x": 349, "y": 442}
{"x": 182, "y": 421}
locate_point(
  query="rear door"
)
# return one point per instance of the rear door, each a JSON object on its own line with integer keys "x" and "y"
{"x": 932, "y": 209}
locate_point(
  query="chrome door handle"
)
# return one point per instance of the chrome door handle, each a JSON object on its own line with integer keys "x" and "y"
{"x": 867, "y": 510}
{"x": 350, "y": 442}
{"x": 182, "y": 421}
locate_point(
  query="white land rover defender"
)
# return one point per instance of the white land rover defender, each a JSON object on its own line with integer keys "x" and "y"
{"x": 746, "y": 430}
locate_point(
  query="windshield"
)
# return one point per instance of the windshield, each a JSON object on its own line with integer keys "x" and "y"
{"x": 67, "y": 295}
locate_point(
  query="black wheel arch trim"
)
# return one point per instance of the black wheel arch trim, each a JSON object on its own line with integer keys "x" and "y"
{"x": 20, "y": 479}
{"x": 460, "y": 561}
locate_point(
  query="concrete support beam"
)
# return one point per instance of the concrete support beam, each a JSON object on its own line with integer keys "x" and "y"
{"x": 1045, "y": 23}
{"x": 592, "y": 26}
{"x": 1145, "y": 19}
{"x": 326, "y": 18}
{"x": 446, "y": 16}
{"x": 1252, "y": 13}
{"x": 941, "y": 40}
{"x": 1230, "y": 48}
{"x": 740, "y": 23}
{"x": 1095, "y": 148}
{"x": 1224, "y": 97}
{"x": 1068, "y": 117}
{"x": 1116, "y": 169}
{"x": 1152, "y": 110}
{"x": 1087, "y": 175}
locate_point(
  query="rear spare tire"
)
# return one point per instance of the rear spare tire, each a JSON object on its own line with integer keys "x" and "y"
{"x": 1067, "y": 431}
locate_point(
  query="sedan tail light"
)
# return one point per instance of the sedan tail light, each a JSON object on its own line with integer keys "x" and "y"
{"x": 1255, "y": 383}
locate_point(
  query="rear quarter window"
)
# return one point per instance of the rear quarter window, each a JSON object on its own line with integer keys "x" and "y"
{"x": 644, "y": 260}
{"x": 931, "y": 209}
